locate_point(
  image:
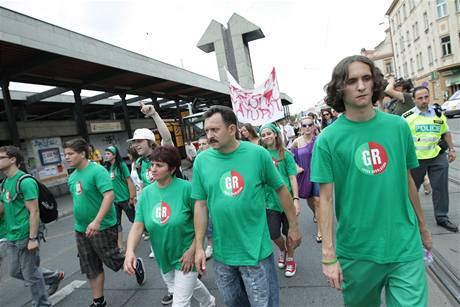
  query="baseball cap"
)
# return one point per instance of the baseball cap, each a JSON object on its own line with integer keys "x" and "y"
{"x": 143, "y": 134}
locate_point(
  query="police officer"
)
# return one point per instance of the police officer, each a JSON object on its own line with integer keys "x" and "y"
{"x": 428, "y": 127}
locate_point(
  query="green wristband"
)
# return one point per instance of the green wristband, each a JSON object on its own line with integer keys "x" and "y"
{"x": 329, "y": 261}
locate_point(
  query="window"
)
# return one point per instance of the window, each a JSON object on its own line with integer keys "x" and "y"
{"x": 415, "y": 30}
{"x": 457, "y": 5}
{"x": 401, "y": 42}
{"x": 441, "y": 8}
{"x": 398, "y": 19}
{"x": 388, "y": 68}
{"x": 412, "y": 70}
{"x": 405, "y": 70}
{"x": 419, "y": 61}
{"x": 445, "y": 46}
{"x": 408, "y": 38}
{"x": 425, "y": 21}
{"x": 411, "y": 5}
{"x": 430, "y": 55}
{"x": 404, "y": 11}
{"x": 396, "y": 49}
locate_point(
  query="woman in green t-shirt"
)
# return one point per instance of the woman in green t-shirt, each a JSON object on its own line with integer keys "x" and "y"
{"x": 165, "y": 210}
{"x": 277, "y": 220}
{"x": 123, "y": 188}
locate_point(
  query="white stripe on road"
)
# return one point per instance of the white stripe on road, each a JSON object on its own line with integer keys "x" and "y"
{"x": 67, "y": 290}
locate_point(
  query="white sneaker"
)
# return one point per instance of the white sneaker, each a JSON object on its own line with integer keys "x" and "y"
{"x": 208, "y": 252}
{"x": 151, "y": 255}
{"x": 145, "y": 236}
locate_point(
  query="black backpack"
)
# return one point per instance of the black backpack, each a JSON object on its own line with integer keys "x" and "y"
{"x": 47, "y": 204}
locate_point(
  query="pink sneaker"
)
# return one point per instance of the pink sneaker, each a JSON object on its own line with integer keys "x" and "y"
{"x": 290, "y": 267}
{"x": 282, "y": 260}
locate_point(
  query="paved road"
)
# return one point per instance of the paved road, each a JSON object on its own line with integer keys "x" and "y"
{"x": 307, "y": 288}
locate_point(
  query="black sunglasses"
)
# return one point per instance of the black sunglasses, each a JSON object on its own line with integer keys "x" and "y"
{"x": 326, "y": 114}
{"x": 307, "y": 125}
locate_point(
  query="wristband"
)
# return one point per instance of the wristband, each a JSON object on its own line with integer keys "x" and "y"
{"x": 329, "y": 261}
{"x": 295, "y": 198}
{"x": 33, "y": 239}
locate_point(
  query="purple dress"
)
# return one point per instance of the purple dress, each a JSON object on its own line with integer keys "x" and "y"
{"x": 302, "y": 157}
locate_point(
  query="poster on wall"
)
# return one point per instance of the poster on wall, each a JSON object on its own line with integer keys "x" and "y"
{"x": 49, "y": 156}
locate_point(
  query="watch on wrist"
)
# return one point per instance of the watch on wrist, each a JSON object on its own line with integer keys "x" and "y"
{"x": 33, "y": 238}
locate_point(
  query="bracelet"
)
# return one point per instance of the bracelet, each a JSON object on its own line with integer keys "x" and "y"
{"x": 33, "y": 239}
{"x": 295, "y": 198}
{"x": 329, "y": 262}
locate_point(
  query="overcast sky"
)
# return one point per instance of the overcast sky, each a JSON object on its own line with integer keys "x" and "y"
{"x": 303, "y": 39}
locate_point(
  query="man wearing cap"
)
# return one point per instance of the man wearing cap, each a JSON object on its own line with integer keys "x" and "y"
{"x": 144, "y": 142}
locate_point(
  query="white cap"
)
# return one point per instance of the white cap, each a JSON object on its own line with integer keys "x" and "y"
{"x": 143, "y": 134}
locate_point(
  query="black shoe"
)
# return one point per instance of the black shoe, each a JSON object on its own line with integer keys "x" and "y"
{"x": 94, "y": 304}
{"x": 140, "y": 272}
{"x": 448, "y": 225}
{"x": 55, "y": 285}
{"x": 167, "y": 299}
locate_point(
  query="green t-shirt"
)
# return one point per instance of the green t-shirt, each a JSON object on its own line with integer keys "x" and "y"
{"x": 368, "y": 162}
{"x": 146, "y": 175}
{"x": 233, "y": 186}
{"x": 3, "y": 230}
{"x": 16, "y": 214}
{"x": 87, "y": 187}
{"x": 286, "y": 167}
{"x": 167, "y": 214}
{"x": 120, "y": 186}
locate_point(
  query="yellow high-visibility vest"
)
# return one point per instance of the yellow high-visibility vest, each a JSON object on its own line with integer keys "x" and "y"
{"x": 426, "y": 132}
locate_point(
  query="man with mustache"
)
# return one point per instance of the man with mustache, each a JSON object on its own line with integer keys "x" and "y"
{"x": 229, "y": 180}
{"x": 379, "y": 234}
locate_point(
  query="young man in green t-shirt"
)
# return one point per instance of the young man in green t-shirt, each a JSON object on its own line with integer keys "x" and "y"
{"x": 20, "y": 214}
{"x": 95, "y": 220}
{"x": 364, "y": 158}
{"x": 229, "y": 180}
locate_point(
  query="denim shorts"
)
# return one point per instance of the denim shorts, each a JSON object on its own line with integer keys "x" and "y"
{"x": 255, "y": 286}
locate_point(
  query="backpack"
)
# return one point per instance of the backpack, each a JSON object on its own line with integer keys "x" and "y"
{"x": 47, "y": 204}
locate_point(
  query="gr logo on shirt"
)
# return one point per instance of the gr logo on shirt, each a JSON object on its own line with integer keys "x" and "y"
{"x": 8, "y": 196}
{"x": 275, "y": 162}
{"x": 78, "y": 188}
{"x": 371, "y": 158}
{"x": 112, "y": 175}
{"x": 231, "y": 183}
{"x": 149, "y": 175}
{"x": 161, "y": 213}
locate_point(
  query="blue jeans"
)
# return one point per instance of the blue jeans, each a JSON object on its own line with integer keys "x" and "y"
{"x": 24, "y": 265}
{"x": 252, "y": 286}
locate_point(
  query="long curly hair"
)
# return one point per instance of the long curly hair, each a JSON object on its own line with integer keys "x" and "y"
{"x": 334, "y": 89}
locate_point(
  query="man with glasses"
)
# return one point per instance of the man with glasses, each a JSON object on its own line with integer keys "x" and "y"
{"x": 19, "y": 210}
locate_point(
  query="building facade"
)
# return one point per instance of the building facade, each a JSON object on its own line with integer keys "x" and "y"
{"x": 425, "y": 37}
{"x": 382, "y": 55}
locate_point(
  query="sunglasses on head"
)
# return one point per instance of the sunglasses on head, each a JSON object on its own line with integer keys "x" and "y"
{"x": 307, "y": 125}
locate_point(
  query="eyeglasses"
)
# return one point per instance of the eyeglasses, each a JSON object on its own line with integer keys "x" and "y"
{"x": 307, "y": 125}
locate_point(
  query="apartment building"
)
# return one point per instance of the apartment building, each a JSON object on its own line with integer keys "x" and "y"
{"x": 425, "y": 36}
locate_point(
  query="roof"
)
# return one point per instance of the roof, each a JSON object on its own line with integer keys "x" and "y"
{"x": 36, "y": 52}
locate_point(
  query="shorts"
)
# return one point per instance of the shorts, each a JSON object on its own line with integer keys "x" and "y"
{"x": 100, "y": 249}
{"x": 277, "y": 224}
{"x": 405, "y": 283}
{"x": 314, "y": 190}
{"x": 129, "y": 210}
{"x": 209, "y": 228}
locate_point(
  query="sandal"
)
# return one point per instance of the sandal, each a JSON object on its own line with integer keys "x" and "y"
{"x": 314, "y": 219}
{"x": 319, "y": 238}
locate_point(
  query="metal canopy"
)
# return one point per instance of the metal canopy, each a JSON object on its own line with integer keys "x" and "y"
{"x": 36, "y": 52}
